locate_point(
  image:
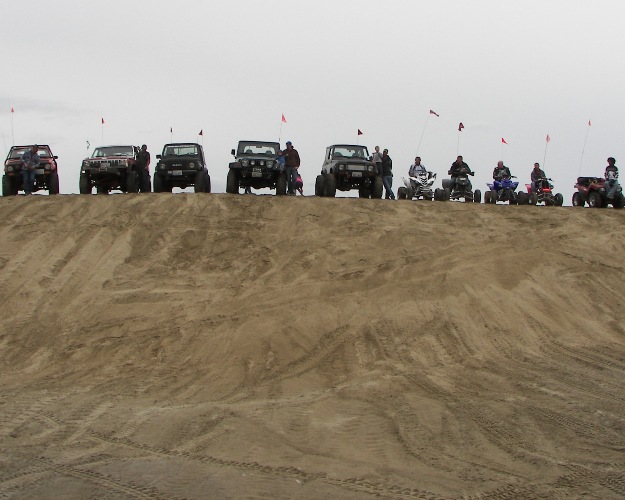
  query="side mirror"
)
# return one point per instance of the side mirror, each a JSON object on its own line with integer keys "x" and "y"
{"x": 232, "y": 152}
{"x": 55, "y": 157}
{"x": 158, "y": 157}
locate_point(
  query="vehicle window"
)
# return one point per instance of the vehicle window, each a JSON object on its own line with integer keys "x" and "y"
{"x": 262, "y": 149}
{"x": 113, "y": 151}
{"x": 181, "y": 150}
{"x": 359, "y": 152}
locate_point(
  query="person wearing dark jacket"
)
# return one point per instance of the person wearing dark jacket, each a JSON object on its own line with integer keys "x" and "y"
{"x": 387, "y": 175}
{"x": 536, "y": 176}
{"x": 501, "y": 171}
{"x": 143, "y": 169}
{"x": 455, "y": 170}
{"x": 291, "y": 164}
{"x": 30, "y": 163}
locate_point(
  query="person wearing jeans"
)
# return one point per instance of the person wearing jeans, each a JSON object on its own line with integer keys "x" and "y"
{"x": 291, "y": 162}
{"x": 387, "y": 175}
{"x": 30, "y": 163}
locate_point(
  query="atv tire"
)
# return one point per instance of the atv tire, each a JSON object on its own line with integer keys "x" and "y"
{"x": 522, "y": 198}
{"x": 558, "y": 200}
{"x": 619, "y": 201}
{"x": 477, "y": 196}
{"x": 577, "y": 201}
{"x": 447, "y": 183}
{"x": 594, "y": 200}
{"x": 401, "y": 193}
{"x": 446, "y": 194}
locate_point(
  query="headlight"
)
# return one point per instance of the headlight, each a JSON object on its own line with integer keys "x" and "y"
{"x": 85, "y": 164}
{"x": 253, "y": 162}
{"x": 9, "y": 168}
{"x": 341, "y": 167}
{"x": 269, "y": 164}
{"x": 245, "y": 163}
{"x": 370, "y": 168}
{"x": 161, "y": 166}
{"x": 261, "y": 162}
{"x": 191, "y": 165}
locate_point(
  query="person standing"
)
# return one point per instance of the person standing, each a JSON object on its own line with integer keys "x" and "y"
{"x": 30, "y": 162}
{"x": 536, "y": 176}
{"x": 291, "y": 163}
{"x": 143, "y": 169}
{"x": 387, "y": 175}
{"x": 611, "y": 176}
{"x": 377, "y": 159}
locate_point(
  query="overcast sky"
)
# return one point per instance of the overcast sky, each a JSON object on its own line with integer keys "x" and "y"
{"x": 517, "y": 70}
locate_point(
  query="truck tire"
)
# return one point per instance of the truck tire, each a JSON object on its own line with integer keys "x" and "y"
{"x": 330, "y": 186}
{"x": 53, "y": 183}
{"x": 7, "y": 186}
{"x": 199, "y": 185}
{"x": 378, "y": 188}
{"x": 281, "y": 184}
{"x": 132, "y": 185}
{"x": 84, "y": 187}
{"x": 232, "y": 182}
{"x": 319, "y": 185}
{"x": 102, "y": 190}
{"x": 159, "y": 186}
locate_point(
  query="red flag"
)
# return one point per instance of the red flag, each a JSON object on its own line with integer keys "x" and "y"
{"x": 102, "y": 121}
{"x": 171, "y": 130}
{"x": 201, "y": 132}
{"x": 283, "y": 118}
{"x": 503, "y": 141}
{"x": 460, "y": 127}
{"x": 433, "y": 113}
{"x": 359, "y": 132}
{"x": 548, "y": 138}
{"x": 12, "y": 110}
{"x": 589, "y": 124}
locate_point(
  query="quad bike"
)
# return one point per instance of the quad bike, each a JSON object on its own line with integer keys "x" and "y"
{"x": 594, "y": 191}
{"x": 544, "y": 194}
{"x": 458, "y": 188}
{"x": 417, "y": 187}
{"x": 503, "y": 189}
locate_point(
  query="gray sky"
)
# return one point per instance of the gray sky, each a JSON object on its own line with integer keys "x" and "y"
{"x": 513, "y": 69}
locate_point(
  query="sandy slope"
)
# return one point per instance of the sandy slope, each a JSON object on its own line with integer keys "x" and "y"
{"x": 216, "y": 346}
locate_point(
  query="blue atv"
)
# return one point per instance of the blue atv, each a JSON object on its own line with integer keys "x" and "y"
{"x": 503, "y": 190}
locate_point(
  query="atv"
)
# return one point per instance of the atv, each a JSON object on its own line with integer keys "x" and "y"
{"x": 544, "y": 194}
{"x": 594, "y": 191}
{"x": 417, "y": 187}
{"x": 503, "y": 189}
{"x": 458, "y": 188}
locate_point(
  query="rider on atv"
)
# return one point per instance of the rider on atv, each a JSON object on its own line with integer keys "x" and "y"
{"x": 501, "y": 172}
{"x": 537, "y": 175}
{"x": 416, "y": 168}
{"x": 459, "y": 167}
{"x": 611, "y": 176}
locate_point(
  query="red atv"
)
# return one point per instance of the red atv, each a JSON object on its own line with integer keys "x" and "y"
{"x": 593, "y": 190}
{"x": 544, "y": 194}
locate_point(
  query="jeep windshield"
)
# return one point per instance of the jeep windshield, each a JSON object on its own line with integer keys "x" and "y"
{"x": 258, "y": 149}
{"x": 113, "y": 151}
{"x": 19, "y": 151}
{"x": 355, "y": 152}
{"x": 181, "y": 150}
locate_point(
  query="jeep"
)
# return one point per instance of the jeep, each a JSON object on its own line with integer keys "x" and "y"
{"x": 108, "y": 168}
{"x": 46, "y": 176}
{"x": 347, "y": 167}
{"x": 181, "y": 165}
{"x": 255, "y": 166}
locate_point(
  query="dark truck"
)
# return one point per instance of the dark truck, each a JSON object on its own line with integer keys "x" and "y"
{"x": 255, "y": 166}
{"x": 181, "y": 164}
{"x": 46, "y": 176}
{"x": 346, "y": 167}
{"x": 109, "y": 168}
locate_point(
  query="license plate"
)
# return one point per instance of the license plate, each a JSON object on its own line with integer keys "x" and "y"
{"x": 176, "y": 172}
{"x": 103, "y": 169}
{"x": 356, "y": 174}
{"x": 257, "y": 174}
{"x": 39, "y": 171}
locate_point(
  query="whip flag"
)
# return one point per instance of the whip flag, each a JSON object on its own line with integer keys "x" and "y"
{"x": 460, "y": 127}
{"x": 434, "y": 113}
{"x": 503, "y": 141}
{"x": 283, "y": 118}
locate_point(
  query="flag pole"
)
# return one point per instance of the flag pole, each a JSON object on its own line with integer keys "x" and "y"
{"x": 12, "y": 133}
{"x": 545, "y": 155}
{"x": 280, "y": 132}
{"x": 583, "y": 149}
{"x": 458, "y": 144}
{"x": 423, "y": 132}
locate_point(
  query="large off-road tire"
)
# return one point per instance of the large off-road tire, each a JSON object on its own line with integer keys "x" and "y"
{"x": 447, "y": 194}
{"x": 132, "y": 182}
{"x": 401, "y": 193}
{"x": 377, "y": 189}
{"x": 447, "y": 183}
{"x": 7, "y": 186}
{"x": 53, "y": 183}
{"x": 558, "y": 200}
{"x": 199, "y": 184}
{"x": 619, "y": 201}
{"x": 102, "y": 190}
{"x": 594, "y": 200}
{"x": 330, "y": 186}
{"x": 364, "y": 192}
{"x": 84, "y": 186}
{"x": 232, "y": 182}
{"x": 577, "y": 201}
{"x": 281, "y": 184}
{"x": 477, "y": 196}
{"x": 533, "y": 199}
{"x": 158, "y": 183}
{"x": 320, "y": 185}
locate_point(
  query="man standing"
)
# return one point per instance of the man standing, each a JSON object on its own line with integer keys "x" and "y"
{"x": 387, "y": 175}
{"x": 416, "y": 168}
{"x": 30, "y": 162}
{"x": 377, "y": 159}
{"x": 143, "y": 169}
{"x": 536, "y": 176}
{"x": 291, "y": 163}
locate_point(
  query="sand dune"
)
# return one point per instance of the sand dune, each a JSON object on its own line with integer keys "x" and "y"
{"x": 217, "y": 346}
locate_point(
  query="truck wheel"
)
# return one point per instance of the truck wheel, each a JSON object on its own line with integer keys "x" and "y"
{"x": 281, "y": 184}
{"x": 558, "y": 200}
{"x": 132, "y": 185}
{"x": 594, "y": 200}
{"x": 232, "y": 182}
{"x": 364, "y": 192}
{"x": 159, "y": 185}
{"x": 102, "y": 190}
{"x": 320, "y": 185}
{"x": 199, "y": 184}
{"x": 577, "y": 200}
{"x": 208, "y": 183}
{"x": 378, "y": 188}
{"x": 7, "y": 186}
{"x": 330, "y": 186}
{"x": 53, "y": 183}
{"x": 84, "y": 186}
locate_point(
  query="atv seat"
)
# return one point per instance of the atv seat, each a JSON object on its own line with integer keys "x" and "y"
{"x": 587, "y": 181}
